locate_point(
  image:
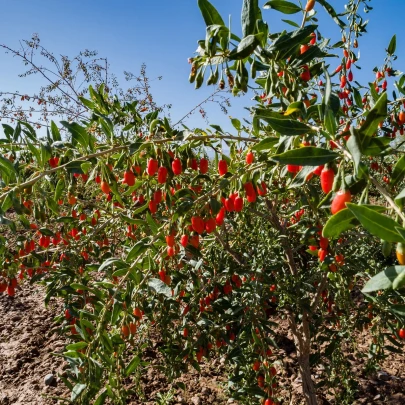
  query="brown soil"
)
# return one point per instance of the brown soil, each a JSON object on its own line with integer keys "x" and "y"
{"x": 28, "y": 339}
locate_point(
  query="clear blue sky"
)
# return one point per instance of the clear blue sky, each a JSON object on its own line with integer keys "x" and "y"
{"x": 163, "y": 34}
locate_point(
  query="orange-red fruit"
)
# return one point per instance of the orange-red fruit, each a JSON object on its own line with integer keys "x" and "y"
{"x": 229, "y": 204}
{"x": 323, "y": 243}
{"x": 318, "y": 170}
{"x": 340, "y": 200}
{"x": 129, "y": 178}
{"x": 250, "y": 157}
{"x": 170, "y": 251}
{"x": 256, "y": 365}
{"x": 195, "y": 241}
{"x": 176, "y": 166}
{"x": 162, "y": 175}
{"x": 327, "y": 178}
{"x": 222, "y": 167}
{"x": 125, "y": 330}
{"x": 293, "y": 168}
{"x": 203, "y": 166}
{"x": 322, "y": 254}
{"x": 250, "y": 192}
{"x": 184, "y": 240}
{"x": 132, "y": 328}
{"x": 152, "y": 167}
{"x": 152, "y": 206}
{"x": 157, "y": 196}
{"x": 401, "y": 333}
{"x": 310, "y": 5}
{"x": 306, "y": 74}
{"x": 238, "y": 204}
{"x": 198, "y": 224}
{"x": 210, "y": 225}
{"x": 105, "y": 187}
{"x": 170, "y": 240}
{"x": 401, "y": 118}
{"x": 262, "y": 189}
{"x": 219, "y": 219}
{"x": 304, "y": 48}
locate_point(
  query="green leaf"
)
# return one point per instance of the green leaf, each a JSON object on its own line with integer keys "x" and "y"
{"x": 294, "y": 24}
{"x": 79, "y": 133}
{"x": 306, "y": 156}
{"x": 60, "y": 187}
{"x": 55, "y": 132}
{"x": 210, "y": 13}
{"x": 399, "y": 282}
{"x": 265, "y": 144}
{"x": 139, "y": 248}
{"x": 398, "y": 172}
{"x": 77, "y": 390}
{"x": 141, "y": 209}
{"x": 384, "y": 280}
{"x": 377, "y": 146}
{"x": 101, "y": 398}
{"x": 294, "y": 107}
{"x": 377, "y": 224}
{"x": 152, "y": 224}
{"x": 159, "y": 287}
{"x": 392, "y": 46}
{"x": 330, "y": 10}
{"x": 343, "y": 221}
{"x": 250, "y": 14}
{"x": 6, "y": 166}
{"x": 283, "y": 6}
{"x": 330, "y": 122}
{"x": 288, "y": 127}
{"x": 132, "y": 365}
{"x": 398, "y": 199}
{"x": 355, "y": 147}
{"x": 245, "y": 47}
{"x": 76, "y": 346}
{"x": 376, "y": 115}
{"x": 291, "y": 40}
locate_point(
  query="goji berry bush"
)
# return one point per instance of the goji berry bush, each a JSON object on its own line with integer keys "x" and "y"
{"x": 208, "y": 238}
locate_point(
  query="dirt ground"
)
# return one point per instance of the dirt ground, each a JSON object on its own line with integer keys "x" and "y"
{"x": 28, "y": 339}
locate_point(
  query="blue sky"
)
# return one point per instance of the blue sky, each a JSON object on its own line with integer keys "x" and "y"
{"x": 163, "y": 34}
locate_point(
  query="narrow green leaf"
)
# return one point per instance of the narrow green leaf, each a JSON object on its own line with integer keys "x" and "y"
{"x": 398, "y": 172}
{"x": 343, "y": 221}
{"x": 266, "y": 144}
{"x": 377, "y": 224}
{"x": 210, "y": 13}
{"x": 331, "y": 11}
{"x": 76, "y": 346}
{"x": 384, "y": 280}
{"x": 306, "y": 156}
{"x": 285, "y": 7}
{"x": 355, "y": 147}
{"x": 392, "y": 46}
{"x": 139, "y": 248}
{"x": 288, "y": 127}
{"x": 245, "y": 47}
{"x": 101, "y": 398}
{"x": 133, "y": 364}
{"x": 250, "y": 14}
{"x": 55, "y": 132}
{"x": 6, "y": 166}
{"x": 377, "y": 146}
{"x": 152, "y": 224}
{"x": 77, "y": 390}
{"x": 159, "y": 287}
{"x": 376, "y": 115}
